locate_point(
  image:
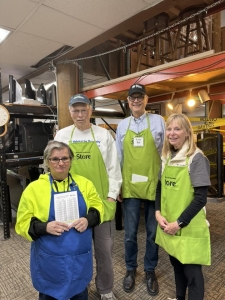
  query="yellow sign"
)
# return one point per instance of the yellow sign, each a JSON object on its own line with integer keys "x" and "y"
{"x": 207, "y": 124}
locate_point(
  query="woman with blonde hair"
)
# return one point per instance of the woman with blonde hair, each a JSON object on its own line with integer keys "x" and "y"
{"x": 180, "y": 199}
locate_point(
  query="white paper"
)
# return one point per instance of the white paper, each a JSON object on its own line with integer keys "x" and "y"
{"x": 139, "y": 178}
{"x": 138, "y": 141}
{"x": 66, "y": 207}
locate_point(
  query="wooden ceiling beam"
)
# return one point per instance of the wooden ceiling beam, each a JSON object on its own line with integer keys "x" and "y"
{"x": 209, "y": 1}
{"x": 174, "y": 10}
{"x": 121, "y": 85}
{"x": 130, "y": 34}
{"x": 162, "y": 87}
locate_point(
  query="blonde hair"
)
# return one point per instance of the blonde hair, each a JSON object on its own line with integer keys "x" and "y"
{"x": 184, "y": 123}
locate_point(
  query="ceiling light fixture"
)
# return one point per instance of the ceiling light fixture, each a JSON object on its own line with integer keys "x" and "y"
{"x": 104, "y": 109}
{"x": 99, "y": 98}
{"x": 191, "y": 101}
{"x": 204, "y": 95}
{"x": 173, "y": 102}
{"x": 3, "y": 34}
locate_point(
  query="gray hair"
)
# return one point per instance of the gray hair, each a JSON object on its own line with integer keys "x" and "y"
{"x": 82, "y": 104}
{"x": 55, "y": 145}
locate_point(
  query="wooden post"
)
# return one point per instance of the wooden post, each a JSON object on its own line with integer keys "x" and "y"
{"x": 216, "y": 32}
{"x": 67, "y": 86}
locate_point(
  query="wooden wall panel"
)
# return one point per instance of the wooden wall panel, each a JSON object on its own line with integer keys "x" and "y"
{"x": 67, "y": 85}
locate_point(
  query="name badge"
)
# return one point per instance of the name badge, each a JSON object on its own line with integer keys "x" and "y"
{"x": 138, "y": 141}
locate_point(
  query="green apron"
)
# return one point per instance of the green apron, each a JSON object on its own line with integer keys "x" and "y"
{"x": 144, "y": 161}
{"x": 88, "y": 162}
{"x": 191, "y": 244}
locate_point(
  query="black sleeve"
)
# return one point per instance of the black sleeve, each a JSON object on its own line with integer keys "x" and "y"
{"x": 158, "y": 196}
{"x": 199, "y": 201}
{"x": 93, "y": 217}
{"x": 37, "y": 228}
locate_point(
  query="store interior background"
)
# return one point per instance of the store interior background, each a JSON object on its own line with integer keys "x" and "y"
{"x": 38, "y": 39}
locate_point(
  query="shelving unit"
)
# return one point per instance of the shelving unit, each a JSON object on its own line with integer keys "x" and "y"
{"x": 15, "y": 159}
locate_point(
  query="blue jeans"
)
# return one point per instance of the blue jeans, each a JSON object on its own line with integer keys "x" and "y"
{"x": 132, "y": 211}
{"x": 81, "y": 296}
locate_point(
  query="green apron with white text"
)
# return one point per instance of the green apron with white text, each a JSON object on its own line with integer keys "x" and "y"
{"x": 191, "y": 244}
{"x": 88, "y": 162}
{"x": 144, "y": 161}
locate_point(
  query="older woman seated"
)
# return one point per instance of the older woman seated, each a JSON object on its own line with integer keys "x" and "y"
{"x": 56, "y": 213}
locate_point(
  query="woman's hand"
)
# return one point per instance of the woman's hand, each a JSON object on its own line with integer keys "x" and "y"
{"x": 80, "y": 225}
{"x": 56, "y": 227}
{"x": 160, "y": 219}
{"x": 172, "y": 228}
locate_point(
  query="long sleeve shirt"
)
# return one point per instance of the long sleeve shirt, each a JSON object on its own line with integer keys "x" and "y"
{"x": 157, "y": 127}
{"x": 107, "y": 148}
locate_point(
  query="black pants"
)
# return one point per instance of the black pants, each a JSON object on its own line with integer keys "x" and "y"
{"x": 81, "y": 296}
{"x": 188, "y": 276}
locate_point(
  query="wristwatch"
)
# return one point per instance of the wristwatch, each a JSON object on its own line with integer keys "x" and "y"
{"x": 181, "y": 224}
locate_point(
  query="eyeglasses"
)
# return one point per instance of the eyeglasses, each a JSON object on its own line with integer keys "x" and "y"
{"x": 83, "y": 112}
{"x": 139, "y": 98}
{"x": 56, "y": 160}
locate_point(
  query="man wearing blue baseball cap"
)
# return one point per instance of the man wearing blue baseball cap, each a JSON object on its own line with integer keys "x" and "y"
{"x": 95, "y": 157}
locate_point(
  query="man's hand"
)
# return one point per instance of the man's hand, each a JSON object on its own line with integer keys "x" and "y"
{"x": 56, "y": 227}
{"x": 111, "y": 199}
{"x": 119, "y": 198}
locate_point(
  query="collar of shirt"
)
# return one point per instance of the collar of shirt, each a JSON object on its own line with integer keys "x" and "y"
{"x": 140, "y": 119}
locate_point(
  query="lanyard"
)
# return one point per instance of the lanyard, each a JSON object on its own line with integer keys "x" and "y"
{"x": 56, "y": 186}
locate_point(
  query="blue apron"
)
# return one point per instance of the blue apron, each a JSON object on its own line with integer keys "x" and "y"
{"x": 62, "y": 266}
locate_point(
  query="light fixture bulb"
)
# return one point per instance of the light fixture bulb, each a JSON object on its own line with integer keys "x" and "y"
{"x": 3, "y": 34}
{"x": 104, "y": 109}
{"x": 191, "y": 102}
{"x": 170, "y": 106}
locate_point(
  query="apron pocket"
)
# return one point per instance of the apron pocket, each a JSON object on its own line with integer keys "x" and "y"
{"x": 109, "y": 210}
{"x": 52, "y": 268}
{"x": 142, "y": 190}
{"x": 83, "y": 266}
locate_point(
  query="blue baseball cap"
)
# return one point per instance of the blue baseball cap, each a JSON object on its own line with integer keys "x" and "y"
{"x": 79, "y": 98}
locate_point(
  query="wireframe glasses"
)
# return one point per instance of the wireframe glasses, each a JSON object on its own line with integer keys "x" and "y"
{"x": 139, "y": 98}
{"x": 56, "y": 160}
{"x": 83, "y": 112}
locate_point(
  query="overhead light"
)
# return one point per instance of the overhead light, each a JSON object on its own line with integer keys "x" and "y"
{"x": 99, "y": 98}
{"x": 190, "y": 101}
{"x": 104, "y": 109}
{"x": 173, "y": 102}
{"x": 203, "y": 96}
{"x": 3, "y": 34}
